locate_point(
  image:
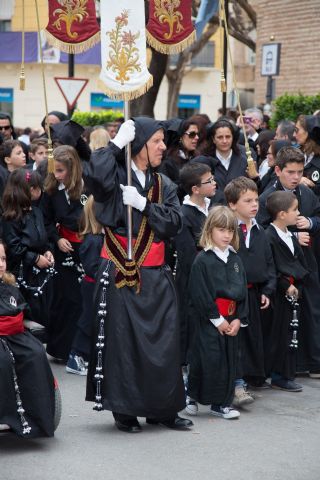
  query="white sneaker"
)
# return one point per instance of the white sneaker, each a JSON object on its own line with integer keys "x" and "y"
{"x": 191, "y": 407}
{"x": 228, "y": 413}
{"x": 4, "y": 427}
{"x": 242, "y": 397}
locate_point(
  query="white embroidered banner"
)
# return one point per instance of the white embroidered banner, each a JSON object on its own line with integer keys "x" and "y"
{"x": 124, "y": 70}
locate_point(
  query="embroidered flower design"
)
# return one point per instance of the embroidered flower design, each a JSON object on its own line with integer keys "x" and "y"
{"x": 124, "y": 55}
{"x": 166, "y": 11}
{"x": 71, "y": 11}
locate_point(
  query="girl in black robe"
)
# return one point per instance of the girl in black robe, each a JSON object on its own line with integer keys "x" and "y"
{"x": 62, "y": 205}
{"x": 218, "y": 294}
{"x": 26, "y": 381}
{"x": 28, "y": 249}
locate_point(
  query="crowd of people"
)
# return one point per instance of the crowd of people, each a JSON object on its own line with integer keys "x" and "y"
{"x": 216, "y": 294}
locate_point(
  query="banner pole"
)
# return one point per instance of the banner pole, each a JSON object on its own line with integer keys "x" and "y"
{"x": 129, "y": 181}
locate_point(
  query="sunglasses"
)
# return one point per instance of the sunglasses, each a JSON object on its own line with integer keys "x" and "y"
{"x": 6, "y": 127}
{"x": 192, "y": 134}
{"x": 210, "y": 180}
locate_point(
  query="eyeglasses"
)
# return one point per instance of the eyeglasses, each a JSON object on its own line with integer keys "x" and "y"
{"x": 192, "y": 134}
{"x": 6, "y": 127}
{"x": 210, "y": 180}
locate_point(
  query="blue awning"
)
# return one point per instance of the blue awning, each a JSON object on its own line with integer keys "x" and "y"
{"x": 6, "y": 95}
{"x": 99, "y": 100}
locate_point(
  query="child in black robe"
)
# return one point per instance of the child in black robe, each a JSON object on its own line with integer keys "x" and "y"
{"x": 218, "y": 296}
{"x": 29, "y": 252}
{"x": 62, "y": 205}
{"x": 89, "y": 253}
{"x": 27, "y": 405}
{"x": 255, "y": 253}
{"x": 198, "y": 182}
{"x": 291, "y": 273}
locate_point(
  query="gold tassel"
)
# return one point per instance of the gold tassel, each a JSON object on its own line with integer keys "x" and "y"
{"x": 50, "y": 158}
{"x": 22, "y": 84}
{"x": 223, "y": 86}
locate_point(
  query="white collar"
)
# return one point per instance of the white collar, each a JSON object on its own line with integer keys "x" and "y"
{"x": 61, "y": 186}
{"x": 222, "y": 159}
{"x": 281, "y": 233}
{"x": 204, "y": 210}
{"x": 141, "y": 176}
{"x": 254, "y": 136}
{"x": 222, "y": 254}
{"x": 253, "y": 221}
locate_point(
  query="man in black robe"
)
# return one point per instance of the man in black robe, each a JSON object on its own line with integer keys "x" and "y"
{"x": 289, "y": 169}
{"x": 135, "y": 361}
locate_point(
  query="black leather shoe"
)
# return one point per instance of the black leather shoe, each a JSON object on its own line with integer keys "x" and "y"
{"x": 129, "y": 426}
{"x": 286, "y": 385}
{"x": 176, "y": 423}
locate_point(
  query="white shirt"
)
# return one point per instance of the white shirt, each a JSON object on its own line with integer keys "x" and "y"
{"x": 285, "y": 236}
{"x": 254, "y": 136}
{"x": 61, "y": 186}
{"x": 308, "y": 158}
{"x": 225, "y": 161}
{"x": 205, "y": 210}
{"x": 141, "y": 176}
{"x": 254, "y": 223}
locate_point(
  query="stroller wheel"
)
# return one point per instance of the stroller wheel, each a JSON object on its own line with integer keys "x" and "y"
{"x": 57, "y": 405}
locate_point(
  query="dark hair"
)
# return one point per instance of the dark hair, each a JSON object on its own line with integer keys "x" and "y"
{"x": 237, "y": 186}
{"x": 209, "y": 148}
{"x": 286, "y": 127}
{"x": 68, "y": 156}
{"x": 263, "y": 140}
{"x": 16, "y": 200}
{"x": 310, "y": 145}
{"x": 176, "y": 144}
{"x": 6, "y": 116}
{"x": 34, "y": 179}
{"x": 190, "y": 175}
{"x": 289, "y": 155}
{"x": 6, "y": 150}
{"x": 276, "y": 146}
{"x": 279, "y": 201}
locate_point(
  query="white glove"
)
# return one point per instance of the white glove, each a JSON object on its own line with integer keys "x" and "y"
{"x": 125, "y": 135}
{"x": 131, "y": 196}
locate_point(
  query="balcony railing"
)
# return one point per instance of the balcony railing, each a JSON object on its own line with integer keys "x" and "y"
{"x": 205, "y": 57}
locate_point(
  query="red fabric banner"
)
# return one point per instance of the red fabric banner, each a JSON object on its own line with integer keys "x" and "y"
{"x": 72, "y": 26}
{"x": 170, "y": 29}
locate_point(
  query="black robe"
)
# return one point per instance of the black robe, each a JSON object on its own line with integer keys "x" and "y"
{"x": 281, "y": 359}
{"x": 141, "y": 359}
{"x": 25, "y": 240}
{"x": 186, "y": 245}
{"x": 238, "y": 166}
{"x": 312, "y": 171}
{"x": 67, "y": 301}
{"x": 261, "y": 278}
{"x": 34, "y": 377}
{"x": 213, "y": 357}
{"x": 309, "y": 333}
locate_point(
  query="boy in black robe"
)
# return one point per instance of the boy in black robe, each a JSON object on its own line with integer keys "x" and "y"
{"x": 255, "y": 253}
{"x": 289, "y": 170}
{"x": 291, "y": 273}
{"x": 198, "y": 182}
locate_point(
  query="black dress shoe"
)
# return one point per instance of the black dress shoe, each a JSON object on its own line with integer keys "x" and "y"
{"x": 129, "y": 426}
{"x": 176, "y": 423}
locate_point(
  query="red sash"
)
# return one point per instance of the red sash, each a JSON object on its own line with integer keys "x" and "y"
{"x": 226, "y": 306}
{"x": 154, "y": 258}
{"x": 88, "y": 279}
{"x": 68, "y": 234}
{"x": 11, "y": 325}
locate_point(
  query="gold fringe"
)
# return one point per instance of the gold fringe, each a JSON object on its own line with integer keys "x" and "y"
{"x": 73, "y": 47}
{"x": 126, "y": 96}
{"x": 171, "y": 49}
{"x": 50, "y": 158}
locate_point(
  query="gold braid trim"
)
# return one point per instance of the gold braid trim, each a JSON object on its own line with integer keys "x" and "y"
{"x": 130, "y": 268}
{"x": 73, "y": 47}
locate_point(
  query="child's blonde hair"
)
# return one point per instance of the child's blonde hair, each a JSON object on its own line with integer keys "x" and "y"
{"x": 219, "y": 217}
{"x": 89, "y": 223}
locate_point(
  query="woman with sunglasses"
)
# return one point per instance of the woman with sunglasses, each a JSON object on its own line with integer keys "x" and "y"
{"x": 230, "y": 161}
{"x": 183, "y": 138}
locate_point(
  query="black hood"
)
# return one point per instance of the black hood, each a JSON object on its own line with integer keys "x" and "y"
{"x": 145, "y": 128}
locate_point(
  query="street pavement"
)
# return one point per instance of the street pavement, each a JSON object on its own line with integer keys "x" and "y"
{"x": 277, "y": 438}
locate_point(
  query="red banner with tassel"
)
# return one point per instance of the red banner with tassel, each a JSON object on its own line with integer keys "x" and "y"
{"x": 170, "y": 29}
{"x": 72, "y": 26}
